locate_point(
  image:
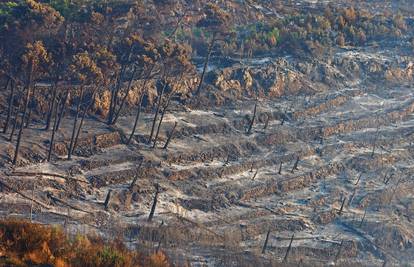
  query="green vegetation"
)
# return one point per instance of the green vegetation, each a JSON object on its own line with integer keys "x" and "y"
{"x": 344, "y": 26}
{"x": 297, "y": 32}
{"x": 7, "y": 7}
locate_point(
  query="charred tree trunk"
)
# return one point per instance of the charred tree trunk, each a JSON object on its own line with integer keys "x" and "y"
{"x": 72, "y": 139}
{"x": 114, "y": 95}
{"x": 359, "y": 178}
{"x": 206, "y": 61}
{"x": 139, "y": 107}
{"x": 161, "y": 119}
{"x": 342, "y": 206}
{"x": 136, "y": 119}
{"x": 387, "y": 180}
{"x": 26, "y": 104}
{"x": 170, "y": 136}
{"x": 62, "y": 110}
{"x": 85, "y": 111}
{"x": 363, "y": 218}
{"x": 52, "y": 139}
{"x": 280, "y": 168}
{"x": 157, "y": 111}
{"x": 255, "y": 174}
{"x": 266, "y": 122}
{"x": 107, "y": 199}
{"x": 295, "y": 166}
{"x": 375, "y": 142}
{"x": 285, "y": 259}
{"x": 31, "y": 202}
{"x": 118, "y": 112}
{"x": 266, "y": 241}
{"x": 249, "y": 131}
{"x": 173, "y": 33}
{"x": 373, "y": 150}
{"x": 31, "y": 104}
{"x": 134, "y": 181}
{"x": 352, "y": 197}
{"x": 154, "y": 203}
{"x": 10, "y": 105}
{"x": 16, "y": 117}
{"x": 51, "y": 106}
{"x": 227, "y": 160}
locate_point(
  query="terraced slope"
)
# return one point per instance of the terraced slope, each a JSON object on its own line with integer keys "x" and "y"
{"x": 335, "y": 174}
{"x": 323, "y": 177}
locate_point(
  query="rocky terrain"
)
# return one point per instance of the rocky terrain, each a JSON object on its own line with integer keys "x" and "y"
{"x": 280, "y": 160}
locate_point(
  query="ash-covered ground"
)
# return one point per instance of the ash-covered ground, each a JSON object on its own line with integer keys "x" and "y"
{"x": 323, "y": 177}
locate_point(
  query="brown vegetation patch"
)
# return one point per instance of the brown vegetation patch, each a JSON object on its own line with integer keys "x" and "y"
{"x": 26, "y": 244}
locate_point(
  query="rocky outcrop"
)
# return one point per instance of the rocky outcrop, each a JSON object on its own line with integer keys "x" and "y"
{"x": 297, "y": 76}
{"x": 273, "y": 79}
{"x": 375, "y": 67}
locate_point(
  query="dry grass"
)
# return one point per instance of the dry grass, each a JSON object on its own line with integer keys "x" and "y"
{"x": 28, "y": 244}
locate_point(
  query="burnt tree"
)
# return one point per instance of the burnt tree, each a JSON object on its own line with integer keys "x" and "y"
{"x": 154, "y": 203}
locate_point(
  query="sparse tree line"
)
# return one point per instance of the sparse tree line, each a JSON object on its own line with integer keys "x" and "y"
{"x": 67, "y": 57}
{"x": 107, "y": 56}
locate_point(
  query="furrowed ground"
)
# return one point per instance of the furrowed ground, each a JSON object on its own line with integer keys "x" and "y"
{"x": 281, "y": 160}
